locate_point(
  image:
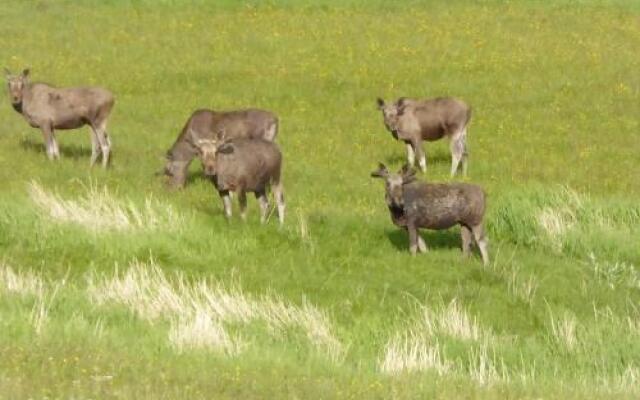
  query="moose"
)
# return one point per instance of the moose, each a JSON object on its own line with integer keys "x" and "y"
{"x": 49, "y": 108}
{"x": 414, "y": 204}
{"x": 207, "y": 124}
{"x": 243, "y": 165}
{"x": 414, "y": 120}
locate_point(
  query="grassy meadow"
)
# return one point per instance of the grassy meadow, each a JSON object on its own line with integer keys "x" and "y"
{"x": 114, "y": 286}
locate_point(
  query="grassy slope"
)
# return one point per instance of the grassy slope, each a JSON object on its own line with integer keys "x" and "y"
{"x": 555, "y": 101}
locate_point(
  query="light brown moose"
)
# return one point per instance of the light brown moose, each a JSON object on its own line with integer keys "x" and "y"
{"x": 49, "y": 108}
{"x": 249, "y": 123}
{"x": 415, "y": 120}
{"x": 244, "y": 165}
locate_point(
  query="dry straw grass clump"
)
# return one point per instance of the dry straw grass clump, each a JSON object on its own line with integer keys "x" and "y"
{"x": 615, "y": 274}
{"x": 418, "y": 348}
{"x": 26, "y": 283}
{"x": 98, "y": 210}
{"x": 628, "y": 381}
{"x": 40, "y": 311}
{"x": 199, "y": 312}
{"x": 564, "y": 331}
{"x": 558, "y": 218}
{"x": 452, "y": 321}
{"x": 482, "y": 367}
{"x": 201, "y": 330}
{"x": 563, "y": 220}
{"x": 411, "y": 352}
{"x": 30, "y": 284}
{"x": 519, "y": 285}
{"x": 556, "y": 222}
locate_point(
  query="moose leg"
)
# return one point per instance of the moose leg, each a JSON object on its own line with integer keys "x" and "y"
{"x": 420, "y": 154}
{"x": 457, "y": 150}
{"x": 180, "y": 170}
{"x": 465, "y": 154}
{"x": 411, "y": 155}
{"x": 482, "y": 241}
{"x": 47, "y": 132}
{"x": 466, "y": 234}
{"x": 422, "y": 246}
{"x": 54, "y": 145}
{"x": 95, "y": 146}
{"x": 242, "y": 200}
{"x": 413, "y": 238}
{"x": 264, "y": 205}
{"x": 278, "y": 192}
{"x": 105, "y": 143}
{"x": 226, "y": 202}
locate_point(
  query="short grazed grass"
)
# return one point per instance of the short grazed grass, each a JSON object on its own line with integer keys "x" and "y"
{"x": 114, "y": 286}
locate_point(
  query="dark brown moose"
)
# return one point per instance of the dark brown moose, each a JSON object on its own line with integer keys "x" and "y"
{"x": 207, "y": 124}
{"x": 50, "y": 108}
{"x": 244, "y": 165}
{"x": 415, "y": 120}
{"x": 413, "y": 205}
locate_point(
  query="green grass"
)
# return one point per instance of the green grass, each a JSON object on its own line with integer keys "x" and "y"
{"x": 554, "y": 140}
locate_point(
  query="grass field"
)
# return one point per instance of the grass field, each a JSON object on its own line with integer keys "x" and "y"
{"x": 113, "y": 286}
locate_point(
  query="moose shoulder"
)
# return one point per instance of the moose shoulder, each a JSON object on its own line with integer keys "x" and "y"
{"x": 49, "y": 108}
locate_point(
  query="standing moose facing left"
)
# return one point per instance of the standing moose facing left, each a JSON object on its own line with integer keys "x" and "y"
{"x": 50, "y": 108}
{"x": 414, "y": 205}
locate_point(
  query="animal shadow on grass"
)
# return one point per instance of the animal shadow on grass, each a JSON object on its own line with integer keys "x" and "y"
{"x": 448, "y": 239}
{"x": 67, "y": 151}
{"x": 199, "y": 176}
{"x": 435, "y": 158}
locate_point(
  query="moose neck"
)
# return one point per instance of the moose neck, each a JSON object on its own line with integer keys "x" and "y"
{"x": 182, "y": 151}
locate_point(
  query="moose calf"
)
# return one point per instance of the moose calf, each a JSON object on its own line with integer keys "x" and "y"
{"x": 49, "y": 108}
{"x": 415, "y": 205}
{"x": 244, "y": 165}
{"x": 416, "y": 120}
{"x": 207, "y": 124}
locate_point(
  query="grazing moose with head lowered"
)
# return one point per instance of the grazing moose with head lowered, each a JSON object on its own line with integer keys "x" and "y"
{"x": 415, "y": 205}
{"x": 244, "y": 165}
{"x": 50, "y": 108}
{"x": 207, "y": 124}
{"x": 414, "y": 120}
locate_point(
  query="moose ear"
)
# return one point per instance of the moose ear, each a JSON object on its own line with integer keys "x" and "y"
{"x": 381, "y": 172}
{"x": 401, "y": 105}
{"x": 408, "y": 179}
{"x": 25, "y": 72}
{"x": 226, "y": 148}
{"x": 408, "y": 174}
{"x": 380, "y": 103}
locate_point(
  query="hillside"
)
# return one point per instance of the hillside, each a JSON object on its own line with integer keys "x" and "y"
{"x": 112, "y": 285}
